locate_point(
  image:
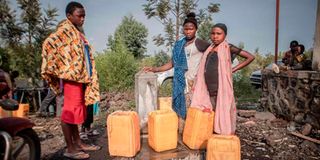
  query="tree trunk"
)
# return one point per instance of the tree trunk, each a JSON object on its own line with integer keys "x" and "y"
{"x": 316, "y": 47}
{"x": 177, "y": 19}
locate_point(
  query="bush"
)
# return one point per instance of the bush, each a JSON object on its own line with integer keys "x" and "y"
{"x": 147, "y": 62}
{"x": 161, "y": 58}
{"x": 165, "y": 90}
{"x": 243, "y": 90}
{"x": 4, "y": 60}
{"x": 116, "y": 70}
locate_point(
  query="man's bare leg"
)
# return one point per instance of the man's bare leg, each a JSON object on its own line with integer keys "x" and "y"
{"x": 67, "y": 132}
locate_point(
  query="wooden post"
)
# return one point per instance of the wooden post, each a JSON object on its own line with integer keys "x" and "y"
{"x": 316, "y": 47}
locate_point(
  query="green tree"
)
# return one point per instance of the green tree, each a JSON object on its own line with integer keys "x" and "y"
{"x": 10, "y": 31}
{"x": 161, "y": 58}
{"x": 22, "y": 38}
{"x": 147, "y": 61}
{"x": 241, "y": 46}
{"x": 4, "y": 60}
{"x": 204, "y": 30}
{"x": 171, "y": 14}
{"x": 156, "y": 60}
{"x": 133, "y": 33}
{"x": 116, "y": 68}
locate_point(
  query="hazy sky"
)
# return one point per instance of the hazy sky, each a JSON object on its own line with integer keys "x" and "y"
{"x": 249, "y": 21}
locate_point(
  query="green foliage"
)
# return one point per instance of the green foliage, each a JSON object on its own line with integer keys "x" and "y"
{"x": 204, "y": 30}
{"x": 243, "y": 90}
{"x": 22, "y": 38}
{"x": 165, "y": 90}
{"x": 10, "y": 31}
{"x": 241, "y": 46}
{"x": 116, "y": 68}
{"x": 259, "y": 62}
{"x": 161, "y": 58}
{"x": 309, "y": 54}
{"x": 172, "y": 13}
{"x": 48, "y": 21}
{"x": 148, "y": 61}
{"x": 134, "y": 35}
{"x": 4, "y": 60}
{"x": 157, "y": 60}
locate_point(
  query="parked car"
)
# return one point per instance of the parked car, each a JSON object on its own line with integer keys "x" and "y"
{"x": 256, "y": 78}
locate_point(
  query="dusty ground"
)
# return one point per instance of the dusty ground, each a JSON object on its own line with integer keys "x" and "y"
{"x": 262, "y": 135}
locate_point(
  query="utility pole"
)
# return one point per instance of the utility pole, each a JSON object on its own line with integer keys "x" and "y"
{"x": 277, "y": 32}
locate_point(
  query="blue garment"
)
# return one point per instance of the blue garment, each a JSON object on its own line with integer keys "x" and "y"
{"x": 96, "y": 108}
{"x": 179, "y": 83}
{"x": 88, "y": 60}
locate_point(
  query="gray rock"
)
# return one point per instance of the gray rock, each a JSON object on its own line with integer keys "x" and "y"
{"x": 313, "y": 120}
{"x": 250, "y": 123}
{"x": 309, "y": 145}
{"x": 306, "y": 129}
{"x": 265, "y": 116}
{"x": 273, "y": 139}
{"x": 291, "y": 126}
{"x": 241, "y": 119}
{"x": 299, "y": 118}
{"x": 246, "y": 113}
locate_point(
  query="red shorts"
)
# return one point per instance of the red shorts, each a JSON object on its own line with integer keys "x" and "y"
{"x": 73, "y": 110}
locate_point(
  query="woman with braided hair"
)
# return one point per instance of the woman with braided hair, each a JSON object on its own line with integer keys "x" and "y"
{"x": 186, "y": 56}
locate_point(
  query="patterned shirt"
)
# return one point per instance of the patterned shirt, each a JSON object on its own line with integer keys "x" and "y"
{"x": 63, "y": 57}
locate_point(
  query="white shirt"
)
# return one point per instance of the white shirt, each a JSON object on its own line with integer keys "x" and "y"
{"x": 193, "y": 59}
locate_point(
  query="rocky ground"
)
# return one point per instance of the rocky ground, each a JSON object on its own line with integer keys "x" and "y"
{"x": 262, "y": 135}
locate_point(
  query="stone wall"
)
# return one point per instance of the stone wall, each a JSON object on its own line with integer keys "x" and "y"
{"x": 292, "y": 95}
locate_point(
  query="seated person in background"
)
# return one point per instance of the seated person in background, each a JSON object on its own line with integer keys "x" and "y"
{"x": 299, "y": 59}
{"x": 294, "y": 59}
{"x": 289, "y": 55}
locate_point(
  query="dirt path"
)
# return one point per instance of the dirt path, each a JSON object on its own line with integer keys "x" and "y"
{"x": 263, "y": 137}
{"x": 260, "y": 139}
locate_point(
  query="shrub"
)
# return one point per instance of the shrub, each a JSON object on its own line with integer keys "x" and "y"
{"x": 116, "y": 70}
{"x": 147, "y": 62}
{"x": 243, "y": 90}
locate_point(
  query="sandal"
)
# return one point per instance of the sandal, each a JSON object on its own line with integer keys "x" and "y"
{"x": 78, "y": 155}
{"x": 93, "y": 133}
{"x": 91, "y": 148}
{"x": 83, "y": 136}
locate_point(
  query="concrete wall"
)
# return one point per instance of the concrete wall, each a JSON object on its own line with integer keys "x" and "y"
{"x": 316, "y": 47}
{"x": 292, "y": 95}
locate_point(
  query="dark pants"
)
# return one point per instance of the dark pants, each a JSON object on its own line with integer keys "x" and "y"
{"x": 213, "y": 100}
{"x": 89, "y": 118}
{"x": 46, "y": 101}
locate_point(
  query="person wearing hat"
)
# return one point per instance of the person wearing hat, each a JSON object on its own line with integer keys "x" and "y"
{"x": 187, "y": 53}
{"x": 213, "y": 89}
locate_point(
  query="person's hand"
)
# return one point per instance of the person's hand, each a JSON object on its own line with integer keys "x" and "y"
{"x": 148, "y": 69}
{"x": 208, "y": 110}
{"x": 285, "y": 68}
{"x": 289, "y": 68}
